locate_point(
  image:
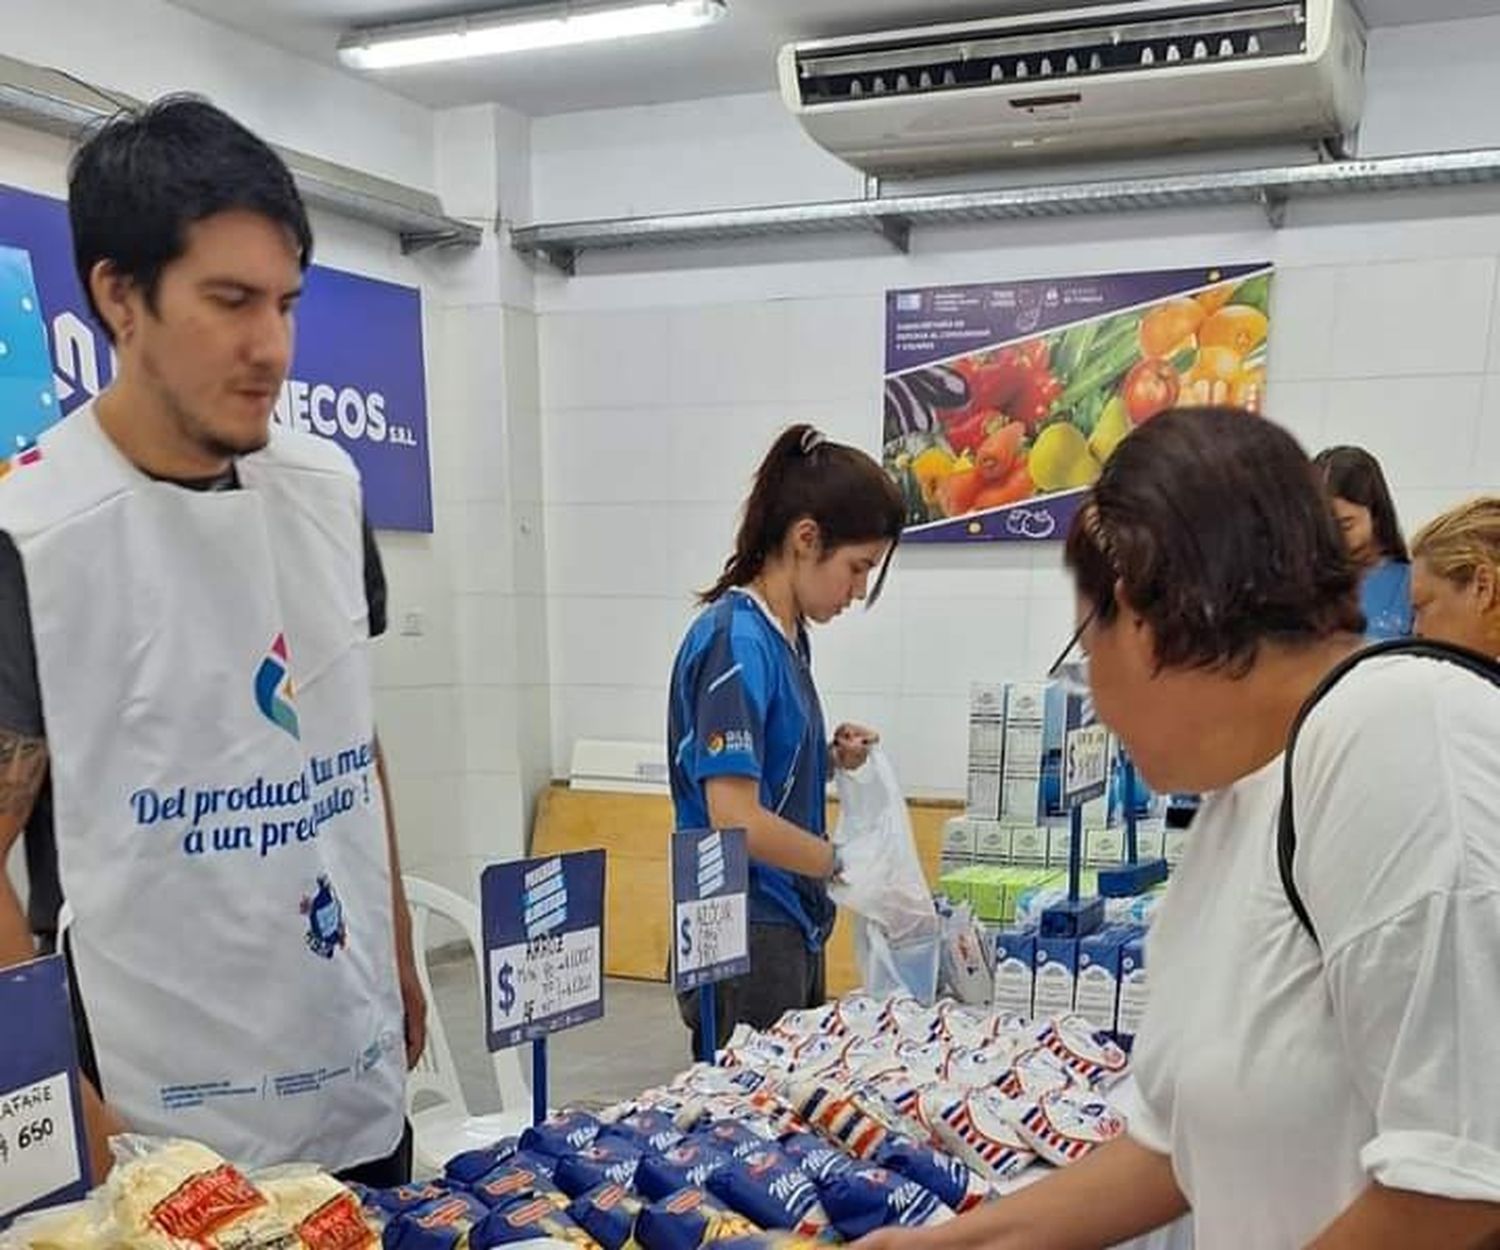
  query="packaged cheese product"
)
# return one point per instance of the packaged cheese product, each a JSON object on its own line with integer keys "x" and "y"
{"x": 172, "y": 1194}
{"x": 324, "y": 1214}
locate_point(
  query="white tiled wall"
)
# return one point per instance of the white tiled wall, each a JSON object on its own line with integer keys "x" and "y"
{"x": 664, "y": 379}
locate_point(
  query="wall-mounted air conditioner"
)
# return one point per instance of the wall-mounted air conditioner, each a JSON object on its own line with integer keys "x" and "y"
{"x": 1116, "y": 79}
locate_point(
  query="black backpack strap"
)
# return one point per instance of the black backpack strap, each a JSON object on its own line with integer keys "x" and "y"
{"x": 1286, "y": 832}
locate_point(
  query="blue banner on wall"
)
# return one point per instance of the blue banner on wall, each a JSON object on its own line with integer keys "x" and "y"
{"x": 357, "y": 376}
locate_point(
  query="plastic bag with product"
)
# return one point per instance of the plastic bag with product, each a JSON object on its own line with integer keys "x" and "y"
{"x": 85, "y": 1225}
{"x": 170, "y": 1194}
{"x": 442, "y": 1224}
{"x": 325, "y": 1214}
{"x": 896, "y": 930}
{"x": 965, "y": 970}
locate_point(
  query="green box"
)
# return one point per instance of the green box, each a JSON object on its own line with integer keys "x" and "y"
{"x": 988, "y": 892}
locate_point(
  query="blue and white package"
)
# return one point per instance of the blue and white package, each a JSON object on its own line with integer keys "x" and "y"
{"x": 607, "y": 1214}
{"x": 686, "y": 1220}
{"x": 823, "y": 1162}
{"x": 863, "y": 1197}
{"x": 1097, "y": 996}
{"x": 440, "y": 1224}
{"x": 473, "y": 1164}
{"x": 799, "y": 1144}
{"x": 769, "y": 1188}
{"x": 514, "y": 1180}
{"x": 608, "y": 1159}
{"x": 402, "y": 1198}
{"x": 560, "y": 1135}
{"x": 733, "y": 1138}
{"x": 1133, "y": 987}
{"x": 527, "y": 1219}
{"x": 655, "y": 1130}
{"x": 688, "y": 1165}
{"x": 948, "y": 1178}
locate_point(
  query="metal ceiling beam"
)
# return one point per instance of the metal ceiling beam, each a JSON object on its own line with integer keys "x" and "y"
{"x": 1271, "y": 187}
{"x": 57, "y": 103}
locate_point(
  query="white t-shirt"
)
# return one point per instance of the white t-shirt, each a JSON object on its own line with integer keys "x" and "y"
{"x": 1283, "y": 1077}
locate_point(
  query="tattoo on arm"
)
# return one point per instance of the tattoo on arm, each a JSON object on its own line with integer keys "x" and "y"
{"x": 23, "y": 764}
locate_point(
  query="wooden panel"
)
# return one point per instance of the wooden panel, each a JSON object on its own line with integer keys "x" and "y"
{"x": 633, "y": 829}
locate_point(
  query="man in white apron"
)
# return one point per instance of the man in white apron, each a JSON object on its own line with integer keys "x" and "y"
{"x": 195, "y": 587}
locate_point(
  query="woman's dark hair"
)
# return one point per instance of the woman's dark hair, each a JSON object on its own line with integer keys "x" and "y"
{"x": 147, "y": 174}
{"x": 1215, "y": 527}
{"x": 804, "y": 475}
{"x": 1353, "y": 475}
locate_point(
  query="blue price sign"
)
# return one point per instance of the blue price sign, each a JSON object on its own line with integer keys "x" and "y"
{"x": 710, "y": 907}
{"x": 543, "y": 925}
{"x": 42, "y": 1148}
{"x": 1085, "y": 753}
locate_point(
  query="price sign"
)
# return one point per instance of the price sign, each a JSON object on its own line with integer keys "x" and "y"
{"x": 710, "y": 907}
{"x": 544, "y": 945}
{"x": 1085, "y": 754}
{"x": 42, "y": 1146}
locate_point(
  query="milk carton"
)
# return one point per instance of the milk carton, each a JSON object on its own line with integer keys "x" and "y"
{"x": 1015, "y": 970}
{"x": 1132, "y": 1004}
{"x": 1097, "y": 996}
{"x": 1056, "y": 976}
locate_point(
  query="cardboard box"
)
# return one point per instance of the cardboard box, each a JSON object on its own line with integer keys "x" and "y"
{"x": 958, "y": 843}
{"x": 1150, "y": 838}
{"x": 986, "y": 749}
{"x": 1056, "y": 976}
{"x": 985, "y": 795}
{"x": 957, "y": 885}
{"x": 992, "y": 842}
{"x": 1103, "y": 848}
{"x": 1098, "y": 992}
{"x": 1028, "y": 845}
{"x": 1133, "y": 989}
{"x": 986, "y": 726}
{"x": 1033, "y": 712}
{"x": 1015, "y": 970}
{"x": 987, "y": 892}
{"x": 1059, "y": 839}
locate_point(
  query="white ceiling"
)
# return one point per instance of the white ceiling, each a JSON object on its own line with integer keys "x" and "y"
{"x": 736, "y": 54}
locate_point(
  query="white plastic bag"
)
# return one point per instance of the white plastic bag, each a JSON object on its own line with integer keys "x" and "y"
{"x": 896, "y": 933}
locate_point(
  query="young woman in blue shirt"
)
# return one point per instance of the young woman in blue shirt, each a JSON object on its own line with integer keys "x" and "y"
{"x": 747, "y": 746}
{"x": 1372, "y": 534}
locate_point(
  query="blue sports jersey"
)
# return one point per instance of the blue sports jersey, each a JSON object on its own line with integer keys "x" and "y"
{"x": 1385, "y": 598}
{"x": 743, "y": 704}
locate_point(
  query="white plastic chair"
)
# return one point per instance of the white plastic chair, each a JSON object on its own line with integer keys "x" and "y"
{"x": 441, "y": 1124}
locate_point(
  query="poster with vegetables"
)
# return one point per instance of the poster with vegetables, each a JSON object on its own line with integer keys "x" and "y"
{"x": 1004, "y": 401}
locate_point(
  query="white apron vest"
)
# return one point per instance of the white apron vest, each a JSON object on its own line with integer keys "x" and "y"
{"x": 205, "y": 680}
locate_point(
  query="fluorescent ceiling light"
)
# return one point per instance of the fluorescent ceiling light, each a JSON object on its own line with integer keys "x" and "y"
{"x": 519, "y": 30}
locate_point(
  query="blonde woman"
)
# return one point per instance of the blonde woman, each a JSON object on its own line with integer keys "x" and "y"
{"x": 1455, "y": 577}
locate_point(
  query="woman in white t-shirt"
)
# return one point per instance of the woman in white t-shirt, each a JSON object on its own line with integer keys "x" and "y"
{"x": 1337, "y": 1092}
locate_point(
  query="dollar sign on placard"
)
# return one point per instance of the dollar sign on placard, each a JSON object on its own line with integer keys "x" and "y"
{"x": 687, "y": 936}
{"x": 507, "y": 998}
